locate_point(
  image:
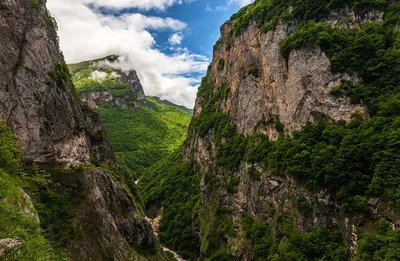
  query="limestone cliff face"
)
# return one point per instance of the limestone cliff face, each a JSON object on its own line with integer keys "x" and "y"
{"x": 39, "y": 102}
{"x": 45, "y": 115}
{"x": 264, "y": 85}
{"x": 132, "y": 78}
{"x": 113, "y": 86}
{"x": 93, "y": 98}
{"x": 108, "y": 221}
{"x": 265, "y": 88}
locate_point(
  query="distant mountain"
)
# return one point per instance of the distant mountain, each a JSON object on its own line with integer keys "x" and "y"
{"x": 141, "y": 129}
{"x": 143, "y": 136}
{"x": 63, "y": 196}
{"x": 96, "y": 81}
{"x": 293, "y": 152}
{"x": 190, "y": 111}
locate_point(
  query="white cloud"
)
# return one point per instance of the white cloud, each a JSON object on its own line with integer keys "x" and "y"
{"x": 141, "y": 4}
{"x": 240, "y": 3}
{"x": 175, "y": 39}
{"x": 98, "y": 76}
{"x": 86, "y": 35}
{"x": 227, "y": 5}
{"x": 220, "y": 8}
{"x": 141, "y": 22}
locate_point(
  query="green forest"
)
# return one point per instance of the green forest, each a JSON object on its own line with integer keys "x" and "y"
{"x": 335, "y": 194}
{"x": 354, "y": 161}
{"x": 17, "y": 215}
{"x": 142, "y": 136}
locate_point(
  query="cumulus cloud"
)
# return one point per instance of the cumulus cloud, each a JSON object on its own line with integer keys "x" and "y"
{"x": 86, "y": 34}
{"x": 140, "y": 22}
{"x": 98, "y": 76}
{"x": 240, "y": 3}
{"x": 219, "y": 8}
{"x": 228, "y": 4}
{"x": 175, "y": 39}
{"x": 141, "y": 4}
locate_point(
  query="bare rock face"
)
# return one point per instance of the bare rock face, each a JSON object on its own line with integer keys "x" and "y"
{"x": 92, "y": 98}
{"x": 100, "y": 147}
{"x": 265, "y": 87}
{"x": 37, "y": 98}
{"x": 27, "y": 207}
{"x": 132, "y": 78}
{"x": 39, "y": 102}
{"x": 45, "y": 116}
{"x": 107, "y": 219}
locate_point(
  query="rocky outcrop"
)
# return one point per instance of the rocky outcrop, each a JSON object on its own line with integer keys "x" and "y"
{"x": 266, "y": 89}
{"x": 347, "y": 18}
{"x": 42, "y": 112}
{"x": 27, "y": 207}
{"x": 37, "y": 98}
{"x": 38, "y": 101}
{"x": 93, "y": 98}
{"x": 132, "y": 78}
{"x": 107, "y": 220}
{"x": 101, "y": 152}
{"x": 8, "y": 244}
{"x": 264, "y": 86}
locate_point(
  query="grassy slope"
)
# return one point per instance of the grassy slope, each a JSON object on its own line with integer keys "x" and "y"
{"x": 140, "y": 137}
{"x": 14, "y": 221}
{"x": 144, "y": 136}
{"x": 354, "y": 162}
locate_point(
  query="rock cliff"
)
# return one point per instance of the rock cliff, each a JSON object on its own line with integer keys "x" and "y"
{"x": 37, "y": 98}
{"x": 280, "y": 123}
{"x": 38, "y": 101}
{"x": 108, "y": 222}
{"x": 263, "y": 84}
{"x": 99, "y": 82}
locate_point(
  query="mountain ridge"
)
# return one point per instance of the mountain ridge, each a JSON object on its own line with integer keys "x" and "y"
{"x": 63, "y": 194}
{"x": 292, "y": 152}
{"x": 285, "y": 138}
{"x": 141, "y": 129}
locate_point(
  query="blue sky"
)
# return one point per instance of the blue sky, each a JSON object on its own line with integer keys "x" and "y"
{"x": 168, "y": 42}
{"x": 203, "y": 21}
{"x": 203, "y": 17}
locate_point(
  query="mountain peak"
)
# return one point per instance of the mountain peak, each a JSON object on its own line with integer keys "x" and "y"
{"x": 98, "y": 81}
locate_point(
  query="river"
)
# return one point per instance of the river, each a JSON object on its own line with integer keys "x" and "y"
{"x": 177, "y": 257}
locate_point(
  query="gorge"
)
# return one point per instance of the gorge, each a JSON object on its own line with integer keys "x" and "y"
{"x": 292, "y": 151}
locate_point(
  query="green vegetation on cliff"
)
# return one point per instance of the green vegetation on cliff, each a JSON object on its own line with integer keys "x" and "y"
{"x": 90, "y": 76}
{"x": 16, "y": 211}
{"x": 355, "y": 162}
{"x": 381, "y": 244}
{"x": 172, "y": 184}
{"x": 141, "y": 136}
{"x": 268, "y": 13}
{"x": 318, "y": 245}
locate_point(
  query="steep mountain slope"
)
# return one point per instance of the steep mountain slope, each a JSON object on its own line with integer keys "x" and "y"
{"x": 19, "y": 229}
{"x": 84, "y": 212}
{"x": 141, "y": 129}
{"x": 142, "y": 137}
{"x": 293, "y": 149}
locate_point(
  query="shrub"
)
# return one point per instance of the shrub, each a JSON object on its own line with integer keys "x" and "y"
{"x": 221, "y": 64}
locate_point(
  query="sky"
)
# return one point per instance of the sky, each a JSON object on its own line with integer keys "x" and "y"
{"x": 168, "y": 42}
